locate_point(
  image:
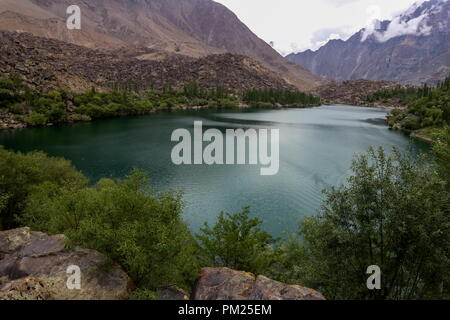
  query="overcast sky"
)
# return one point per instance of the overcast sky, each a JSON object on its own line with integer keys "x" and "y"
{"x": 297, "y": 25}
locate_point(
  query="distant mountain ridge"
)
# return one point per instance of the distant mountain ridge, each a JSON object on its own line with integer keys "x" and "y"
{"x": 194, "y": 28}
{"x": 413, "y": 48}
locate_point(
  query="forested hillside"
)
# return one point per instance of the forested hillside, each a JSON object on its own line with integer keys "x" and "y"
{"x": 427, "y": 107}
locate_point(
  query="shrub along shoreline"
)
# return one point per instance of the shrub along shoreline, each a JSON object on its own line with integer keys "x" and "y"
{"x": 21, "y": 106}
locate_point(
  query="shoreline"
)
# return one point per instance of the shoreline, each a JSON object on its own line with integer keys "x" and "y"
{"x": 17, "y": 125}
{"x": 413, "y": 134}
{"x": 11, "y": 124}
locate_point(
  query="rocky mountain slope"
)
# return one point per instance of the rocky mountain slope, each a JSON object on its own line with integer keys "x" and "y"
{"x": 413, "y": 48}
{"x": 194, "y": 28}
{"x": 48, "y": 63}
{"x": 353, "y": 92}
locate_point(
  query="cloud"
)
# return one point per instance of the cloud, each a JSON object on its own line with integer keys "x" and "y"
{"x": 414, "y": 21}
{"x": 417, "y": 26}
{"x": 339, "y": 3}
{"x": 294, "y": 25}
{"x": 320, "y": 38}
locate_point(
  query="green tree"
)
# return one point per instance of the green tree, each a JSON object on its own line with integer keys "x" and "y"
{"x": 36, "y": 119}
{"x": 21, "y": 173}
{"x": 394, "y": 213}
{"x": 442, "y": 150}
{"x": 237, "y": 241}
{"x": 128, "y": 221}
{"x": 3, "y": 202}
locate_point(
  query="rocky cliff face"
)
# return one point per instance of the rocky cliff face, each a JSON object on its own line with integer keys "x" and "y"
{"x": 48, "y": 63}
{"x": 194, "y": 28}
{"x": 414, "y": 48}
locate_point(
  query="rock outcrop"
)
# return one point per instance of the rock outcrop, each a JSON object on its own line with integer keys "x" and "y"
{"x": 353, "y": 92}
{"x": 7, "y": 120}
{"x": 34, "y": 266}
{"x": 227, "y": 284}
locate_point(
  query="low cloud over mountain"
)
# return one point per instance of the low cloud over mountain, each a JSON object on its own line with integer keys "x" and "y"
{"x": 418, "y": 21}
{"x": 412, "y": 48}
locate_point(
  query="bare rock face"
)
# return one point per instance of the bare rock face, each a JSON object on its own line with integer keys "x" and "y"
{"x": 7, "y": 120}
{"x": 33, "y": 266}
{"x": 227, "y": 284}
{"x": 194, "y": 28}
{"x": 354, "y": 92}
{"x": 50, "y": 64}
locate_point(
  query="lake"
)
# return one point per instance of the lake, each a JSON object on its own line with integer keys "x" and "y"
{"x": 317, "y": 146}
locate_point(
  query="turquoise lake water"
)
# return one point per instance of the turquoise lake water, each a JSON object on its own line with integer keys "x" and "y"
{"x": 317, "y": 146}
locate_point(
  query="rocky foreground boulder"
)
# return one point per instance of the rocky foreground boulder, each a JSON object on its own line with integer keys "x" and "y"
{"x": 34, "y": 266}
{"x": 227, "y": 284}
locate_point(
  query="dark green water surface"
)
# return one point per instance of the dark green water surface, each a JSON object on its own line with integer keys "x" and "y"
{"x": 316, "y": 149}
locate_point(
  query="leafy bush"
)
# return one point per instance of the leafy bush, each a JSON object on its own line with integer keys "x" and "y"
{"x": 237, "y": 242}
{"x": 394, "y": 213}
{"x": 143, "y": 294}
{"x": 129, "y": 222}
{"x": 441, "y": 149}
{"x": 411, "y": 123}
{"x": 35, "y": 119}
{"x": 79, "y": 117}
{"x": 21, "y": 173}
{"x": 16, "y": 108}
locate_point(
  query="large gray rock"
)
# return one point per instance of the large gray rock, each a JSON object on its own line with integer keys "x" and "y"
{"x": 227, "y": 284}
{"x": 34, "y": 265}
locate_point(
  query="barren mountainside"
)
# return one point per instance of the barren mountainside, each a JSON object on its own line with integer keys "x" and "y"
{"x": 413, "y": 48}
{"x": 49, "y": 63}
{"x": 194, "y": 28}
